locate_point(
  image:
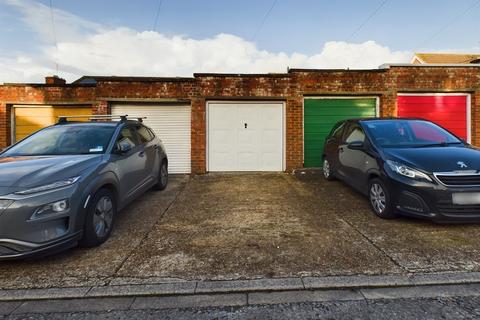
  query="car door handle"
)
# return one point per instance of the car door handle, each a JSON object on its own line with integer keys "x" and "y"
{"x": 340, "y": 149}
{"x": 155, "y": 146}
{"x": 141, "y": 153}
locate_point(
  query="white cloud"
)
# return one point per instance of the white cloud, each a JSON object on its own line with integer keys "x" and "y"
{"x": 88, "y": 48}
{"x": 38, "y": 17}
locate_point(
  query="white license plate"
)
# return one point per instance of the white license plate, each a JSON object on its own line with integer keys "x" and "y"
{"x": 466, "y": 198}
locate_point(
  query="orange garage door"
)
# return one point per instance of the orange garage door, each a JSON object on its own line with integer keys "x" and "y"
{"x": 29, "y": 119}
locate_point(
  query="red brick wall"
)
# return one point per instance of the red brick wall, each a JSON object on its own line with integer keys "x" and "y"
{"x": 198, "y": 135}
{"x": 476, "y": 118}
{"x": 4, "y": 126}
{"x": 174, "y": 89}
{"x": 46, "y": 94}
{"x": 38, "y": 94}
{"x": 100, "y": 107}
{"x": 290, "y": 88}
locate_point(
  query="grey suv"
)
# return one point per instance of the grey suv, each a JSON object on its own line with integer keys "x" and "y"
{"x": 63, "y": 185}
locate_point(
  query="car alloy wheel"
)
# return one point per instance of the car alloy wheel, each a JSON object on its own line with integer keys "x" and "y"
{"x": 378, "y": 198}
{"x": 327, "y": 170}
{"x": 162, "y": 176}
{"x": 103, "y": 216}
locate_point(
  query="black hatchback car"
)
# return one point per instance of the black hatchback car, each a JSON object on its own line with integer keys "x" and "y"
{"x": 408, "y": 166}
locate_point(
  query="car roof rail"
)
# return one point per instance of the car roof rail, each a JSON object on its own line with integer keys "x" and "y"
{"x": 122, "y": 118}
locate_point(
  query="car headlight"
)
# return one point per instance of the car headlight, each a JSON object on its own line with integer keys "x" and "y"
{"x": 50, "y": 186}
{"x": 54, "y": 207}
{"x": 406, "y": 171}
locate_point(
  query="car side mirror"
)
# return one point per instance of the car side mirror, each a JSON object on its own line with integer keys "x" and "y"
{"x": 356, "y": 145}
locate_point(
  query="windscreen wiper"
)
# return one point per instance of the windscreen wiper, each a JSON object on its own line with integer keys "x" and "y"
{"x": 440, "y": 144}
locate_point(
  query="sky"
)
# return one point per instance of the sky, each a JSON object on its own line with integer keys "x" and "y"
{"x": 72, "y": 38}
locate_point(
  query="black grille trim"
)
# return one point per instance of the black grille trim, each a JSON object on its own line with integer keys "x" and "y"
{"x": 459, "y": 180}
{"x": 458, "y": 209}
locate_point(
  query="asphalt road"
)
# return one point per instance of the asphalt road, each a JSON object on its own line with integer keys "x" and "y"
{"x": 441, "y": 308}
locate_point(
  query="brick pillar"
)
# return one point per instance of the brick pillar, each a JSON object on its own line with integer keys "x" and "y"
{"x": 388, "y": 104}
{"x": 475, "y": 116}
{"x": 294, "y": 134}
{"x": 100, "y": 108}
{"x": 4, "y": 126}
{"x": 198, "y": 137}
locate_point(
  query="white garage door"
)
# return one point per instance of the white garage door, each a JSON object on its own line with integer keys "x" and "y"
{"x": 245, "y": 136}
{"x": 171, "y": 124}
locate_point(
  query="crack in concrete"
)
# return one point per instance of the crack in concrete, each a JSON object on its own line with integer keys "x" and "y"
{"x": 381, "y": 250}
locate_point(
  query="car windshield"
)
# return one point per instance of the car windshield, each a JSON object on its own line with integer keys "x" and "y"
{"x": 408, "y": 134}
{"x": 64, "y": 140}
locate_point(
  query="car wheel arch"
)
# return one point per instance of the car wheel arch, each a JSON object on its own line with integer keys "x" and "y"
{"x": 370, "y": 177}
{"x": 164, "y": 160}
{"x": 107, "y": 185}
{"x": 105, "y": 180}
{"x": 111, "y": 187}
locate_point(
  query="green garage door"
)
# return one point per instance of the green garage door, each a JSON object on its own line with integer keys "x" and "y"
{"x": 320, "y": 115}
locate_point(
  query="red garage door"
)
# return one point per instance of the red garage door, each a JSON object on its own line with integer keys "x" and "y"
{"x": 447, "y": 110}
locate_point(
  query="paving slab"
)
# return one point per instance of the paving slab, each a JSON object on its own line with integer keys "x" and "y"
{"x": 357, "y": 281}
{"x": 114, "y": 281}
{"x": 144, "y": 289}
{"x": 195, "y": 301}
{"x": 74, "y": 305}
{"x": 422, "y": 292}
{"x": 302, "y": 296}
{"x": 39, "y": 294}
{"x": 249, "y": 285}
{"x": 445, "y": 278}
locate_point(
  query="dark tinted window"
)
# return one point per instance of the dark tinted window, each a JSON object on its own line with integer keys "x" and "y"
{"x": 144, "y": 134}
{"x": 408, "y": 133}
{"x": 426, "y": 133}
{"x": 127, "y": 136}
{"x": 354, "y": 133}
{"x": 151, "y": 133}
{"x": 66, "y": 139}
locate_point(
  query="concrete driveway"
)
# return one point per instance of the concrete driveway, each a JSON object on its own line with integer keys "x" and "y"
{"x": 236, "y": 226}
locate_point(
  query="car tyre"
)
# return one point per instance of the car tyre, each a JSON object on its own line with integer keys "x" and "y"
{"x": 327, "y": 170}
{"x": 380, "y": 200}
{"x": 162, "y": 176}
{"x": 100, "y": 219}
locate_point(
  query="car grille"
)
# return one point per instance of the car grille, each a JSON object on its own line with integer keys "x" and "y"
{"x": 459, "y": 180}
{"x": 458, "y": 209}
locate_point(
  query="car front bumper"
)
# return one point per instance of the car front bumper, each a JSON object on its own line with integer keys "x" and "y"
{"x": 11, "y": 249}
{"x": 23, "y": 234}
{"x": 432, "y": 201}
